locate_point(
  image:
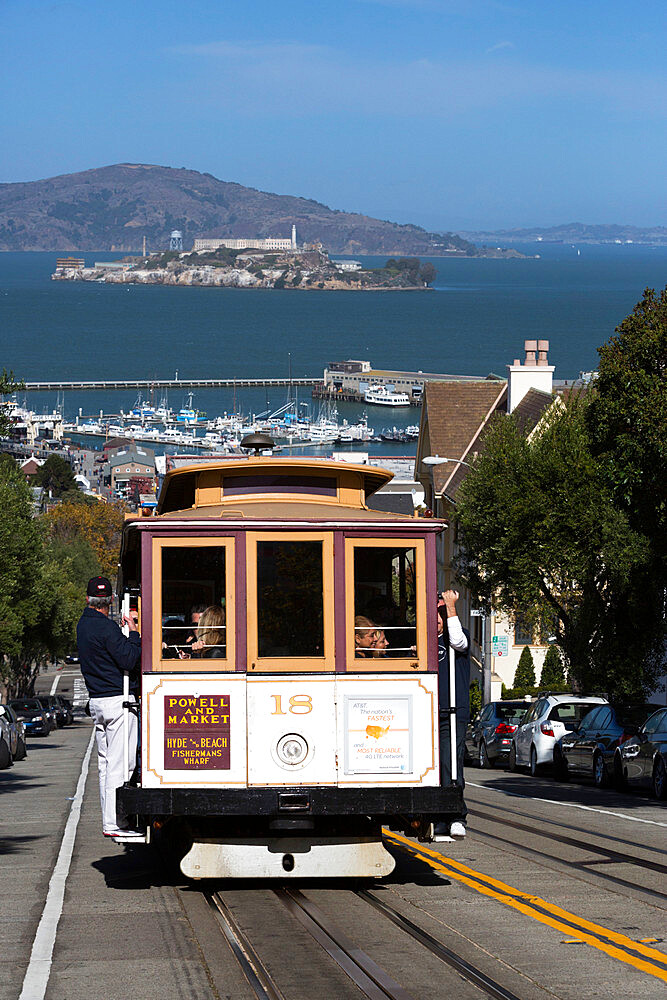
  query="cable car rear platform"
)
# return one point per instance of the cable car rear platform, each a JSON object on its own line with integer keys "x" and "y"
{"x": 314, "y": 800}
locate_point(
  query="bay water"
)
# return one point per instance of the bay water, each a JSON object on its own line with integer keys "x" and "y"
{"x": 473, "y": 322}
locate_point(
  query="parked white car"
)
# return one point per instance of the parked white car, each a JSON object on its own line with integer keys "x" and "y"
{"x": 547, "y": 719}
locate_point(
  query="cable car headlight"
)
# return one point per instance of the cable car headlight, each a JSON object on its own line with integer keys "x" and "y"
{"x": 292, "y": 749}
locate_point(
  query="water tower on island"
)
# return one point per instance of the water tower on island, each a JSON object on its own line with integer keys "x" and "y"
{"x": 176, "y": 240}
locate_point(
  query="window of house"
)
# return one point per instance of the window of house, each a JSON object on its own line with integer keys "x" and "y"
{"x": 523, "y": 632}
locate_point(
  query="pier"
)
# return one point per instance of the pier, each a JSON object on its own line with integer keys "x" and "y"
{"x": 171, "y": 383}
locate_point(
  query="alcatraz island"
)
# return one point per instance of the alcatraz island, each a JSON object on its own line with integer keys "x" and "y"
{"x": 310, "y": 268}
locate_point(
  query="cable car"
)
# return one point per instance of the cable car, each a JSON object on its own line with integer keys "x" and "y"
{"x": 289, "y": 686}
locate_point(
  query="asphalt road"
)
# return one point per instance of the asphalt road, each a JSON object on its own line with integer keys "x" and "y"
{"x": 557, "y": 892}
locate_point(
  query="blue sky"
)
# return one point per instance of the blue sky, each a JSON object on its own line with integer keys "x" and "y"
{"x": 452, "y": 114}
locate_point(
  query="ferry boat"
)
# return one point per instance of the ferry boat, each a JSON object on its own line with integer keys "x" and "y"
{"x": 381, "y": 395}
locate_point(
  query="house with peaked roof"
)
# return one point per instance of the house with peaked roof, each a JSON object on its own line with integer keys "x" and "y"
{"x": 455, "y": 416}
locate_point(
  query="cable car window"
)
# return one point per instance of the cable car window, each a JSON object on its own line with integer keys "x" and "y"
{"x": 385, "y": 602}
{"x": 194, "y": 602}
{"x": 290, "y": 599}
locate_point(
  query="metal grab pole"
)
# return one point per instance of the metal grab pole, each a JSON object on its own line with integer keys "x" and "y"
{"x": 126, "y": 697}
{"x": 452, "y": 713}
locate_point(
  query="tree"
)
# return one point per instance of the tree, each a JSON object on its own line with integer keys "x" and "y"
{"x": 56, "y": 477}
{"x": 627, "y": 422}
{"x": 21, "y": 546}
{"x": 627, "y": 417}
{"x": 8, "y": 385}
{"x": 100, "y": 524}
{"x": 553, "y": 675}
{"x": 427, "y": 273}
{"x": 543, "y": 534}
{"x": 524, "y": 677}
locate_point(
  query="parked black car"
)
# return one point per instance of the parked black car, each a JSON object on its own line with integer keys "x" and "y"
{"x": 642, "y": 760}
{"x": 589, "y": 750}
{"x": 49, "y": 703}
{"x": 66, "y": 707}
{"x": 32, "y": 715}
{"x": 489, "y": 735}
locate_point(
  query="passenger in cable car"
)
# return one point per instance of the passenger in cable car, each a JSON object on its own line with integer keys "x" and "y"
{"x": 380, "y": 644}
{"x": 172, "y": 639}
{"x": 211, "y": 638}
{"x": 365, "y": 636}
{"x": 451, "y": 633}
{"x": 196, "y": 611}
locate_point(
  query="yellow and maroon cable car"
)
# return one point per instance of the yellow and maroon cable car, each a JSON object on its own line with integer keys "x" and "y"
{"x": 289, "y": 686}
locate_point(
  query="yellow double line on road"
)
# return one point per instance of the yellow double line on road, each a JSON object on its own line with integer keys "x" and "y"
{"x": 624, "y": 949}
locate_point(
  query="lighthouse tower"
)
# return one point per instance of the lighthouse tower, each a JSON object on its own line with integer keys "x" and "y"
{"x": 293, "y": 237}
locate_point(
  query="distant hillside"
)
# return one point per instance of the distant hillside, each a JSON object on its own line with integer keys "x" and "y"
{"x": 575, "y": 232}
{"x": 113, "y": 208}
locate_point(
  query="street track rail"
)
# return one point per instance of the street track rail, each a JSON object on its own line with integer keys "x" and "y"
{"x": 469, "y": 972}
{"x": 252, "y": 966}
{"x": 618, "y": 946}
{"x": 614, "y": 856}
{"x": 589, "y": 867}
{"x": 582, "y": 866}
{"x": 373, "y": 981}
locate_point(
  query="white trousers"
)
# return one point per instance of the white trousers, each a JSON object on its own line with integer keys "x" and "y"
{"x": 107, "y": 714}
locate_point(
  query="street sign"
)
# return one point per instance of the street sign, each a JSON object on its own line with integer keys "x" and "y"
{"x": 499, "y": 645}
{"x": 476, "y": 613}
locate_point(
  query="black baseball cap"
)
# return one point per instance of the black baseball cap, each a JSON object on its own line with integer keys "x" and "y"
{"x": 99, "y": 586}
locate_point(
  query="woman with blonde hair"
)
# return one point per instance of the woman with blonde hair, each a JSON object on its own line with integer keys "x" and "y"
{"x": 211, "y": 633}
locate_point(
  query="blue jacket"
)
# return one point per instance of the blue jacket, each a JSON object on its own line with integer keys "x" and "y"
{"x": 105, "y": 653}
{"x": 461, "y": 676}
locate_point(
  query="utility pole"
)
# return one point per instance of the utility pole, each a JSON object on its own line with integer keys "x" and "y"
{"x": 487, "y": 660}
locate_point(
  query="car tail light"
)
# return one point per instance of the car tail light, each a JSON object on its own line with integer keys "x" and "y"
{"x": 547, "y": 728}
{"x": 504, "y": 727}
{"x": 625, "y": 736}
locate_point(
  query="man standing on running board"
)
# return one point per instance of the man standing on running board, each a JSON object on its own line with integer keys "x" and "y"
{"x": 451, "y": 633}
{"x": 105, "y": 655}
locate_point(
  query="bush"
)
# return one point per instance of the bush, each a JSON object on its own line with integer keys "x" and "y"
{"x": 475, "y": 699}
{"x": 525, "y": 671}
{"x": 553, "y": 674}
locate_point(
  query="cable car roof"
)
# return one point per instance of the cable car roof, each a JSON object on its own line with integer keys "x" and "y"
{"x": 268, "y": 478}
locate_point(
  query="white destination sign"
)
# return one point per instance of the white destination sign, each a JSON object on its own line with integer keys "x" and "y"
{"x": 378, "y": 735}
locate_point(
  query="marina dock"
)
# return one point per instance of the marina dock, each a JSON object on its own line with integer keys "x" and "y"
{"x": 146, "y": 385}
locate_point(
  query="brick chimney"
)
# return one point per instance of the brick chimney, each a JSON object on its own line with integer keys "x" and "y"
{"x": 534, "y": 373}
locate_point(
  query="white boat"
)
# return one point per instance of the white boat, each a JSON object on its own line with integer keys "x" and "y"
{"x": 380, "y": 395}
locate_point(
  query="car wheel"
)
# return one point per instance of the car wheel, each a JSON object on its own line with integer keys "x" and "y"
{"x": 619, "y": 777}
{"x": 659, "y": 779}
{"x": 21, "y": 750}
{"x": 5, "y": 756}
{"x": 483, "y": 759}
{"x": 533, "y": 762}
{"x": 560, "y": 766}
{"x": 511, "y": 763}
{"x": 600, "y": 771}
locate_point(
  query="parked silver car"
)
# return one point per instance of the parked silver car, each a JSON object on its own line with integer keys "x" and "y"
{"x": 548, "y": 718}
{"x": 17, "y": 743}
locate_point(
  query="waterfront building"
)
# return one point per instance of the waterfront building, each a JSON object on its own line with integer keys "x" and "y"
{"x": 244, "y": 243}
{"x": 126, "y": 464}
{"x": 354, "y": 378}
{"x": 69, "y": 263}
{"x": 347, "y": 265}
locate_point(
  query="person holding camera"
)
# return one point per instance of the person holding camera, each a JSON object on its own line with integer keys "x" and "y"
{"x": 451, "y": 633}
